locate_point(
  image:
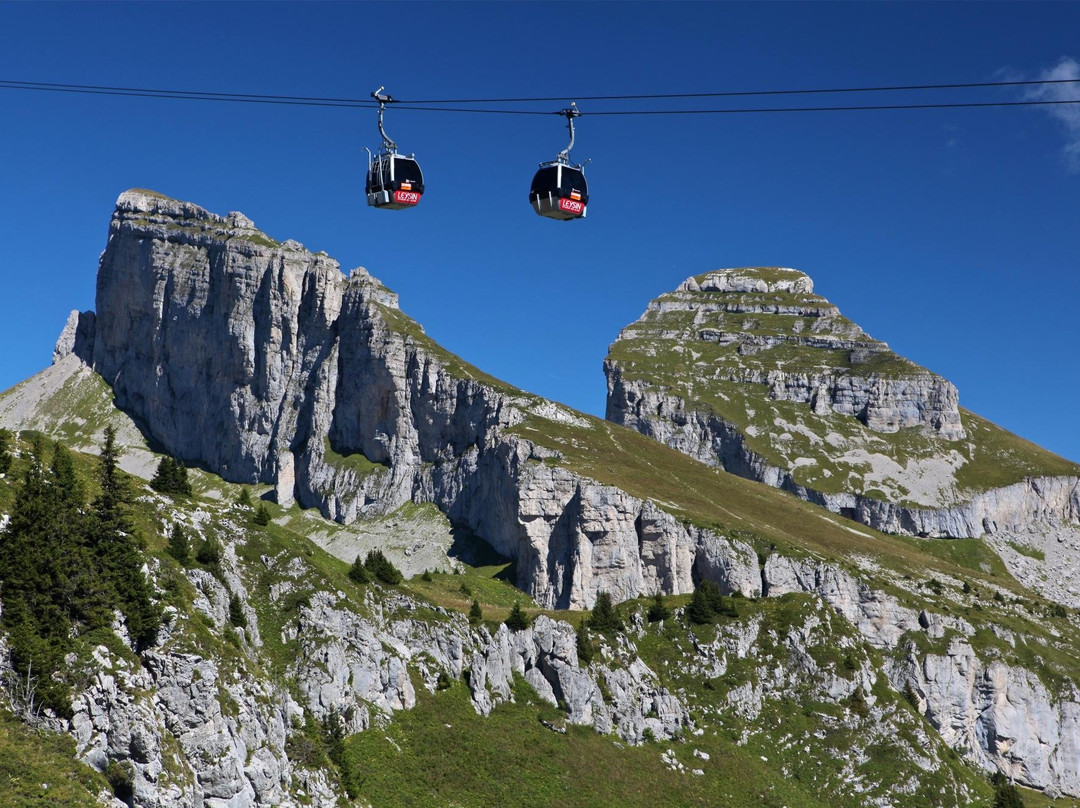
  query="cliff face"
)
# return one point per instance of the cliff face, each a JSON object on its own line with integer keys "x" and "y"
{"x": 260, "y": 362}
{"x": 749, "y": 370}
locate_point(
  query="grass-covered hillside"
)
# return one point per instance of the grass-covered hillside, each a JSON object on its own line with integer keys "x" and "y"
{"x": 716, "y": 352}
{"x": 749, "y": 711}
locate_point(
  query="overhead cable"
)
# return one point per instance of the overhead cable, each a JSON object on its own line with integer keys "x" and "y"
{"x": 315, "y": 101}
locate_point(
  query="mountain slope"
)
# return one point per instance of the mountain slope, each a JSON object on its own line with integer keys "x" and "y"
{"x": 749, "y": 370}
{"x": 257, "y": 361}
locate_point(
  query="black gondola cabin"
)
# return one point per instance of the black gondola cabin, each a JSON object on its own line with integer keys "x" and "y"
{"x": 394, "y": 182}
{"x": 559, "y": 191}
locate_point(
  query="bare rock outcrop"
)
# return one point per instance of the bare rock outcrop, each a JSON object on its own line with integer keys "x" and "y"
{"x": 714, "y": 368}
{"x": 261, "y": 362}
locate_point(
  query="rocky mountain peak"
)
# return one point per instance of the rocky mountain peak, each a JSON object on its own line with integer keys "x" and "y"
{"x": 763, "y": 280}
{"x": 751, "y": 370}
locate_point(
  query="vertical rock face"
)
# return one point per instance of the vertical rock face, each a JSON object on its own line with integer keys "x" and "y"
{"x": 261, "y": 362}
{"x": 212, "y": 334}
{"x": 749, "y": 370}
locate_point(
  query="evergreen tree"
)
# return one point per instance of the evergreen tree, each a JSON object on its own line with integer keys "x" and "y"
{"x": 5, "y": 451}
{"x": 517, "y": 620}
{"x": 236, "y": 612}
{"x": 358, "y": 572}
{"x": 476, "y": 614}
{"x": 605, "y": 617}
{"x": 209, "y": 552}
{"x": 382, "y": 569}
{"x": 31, "y": 568}
{"x": 244, "y": 497}
{"x": 708, "y": 603}
{"x": 179, "y": 546}
{"x": 112, "y": 541}
{"x": 1006, "y": 795}
{"x": 171, "y": 478}
{"x": 262, "y": 515}
{"x": 657, "y": 610}
{"x": 584, "y": 644}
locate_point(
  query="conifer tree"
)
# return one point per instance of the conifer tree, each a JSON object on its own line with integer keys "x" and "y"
{"x": 604, "y": 615}
{"x": 382, "y": 569}
{"x": 236, "y": 612}
{"x": 171, "y": 478}
{"x": 584, "y": 645}
{"x": 5, "y": 451}
{"x": 114, "y": 545}
{"x": 517, "y": 620}
{"x": 179, "y": 546}
{"x": 476, "y": 614}
{"x": 262, "y": 515}
{"x": 658, "y": 610}
{"x": 358, "y": 571}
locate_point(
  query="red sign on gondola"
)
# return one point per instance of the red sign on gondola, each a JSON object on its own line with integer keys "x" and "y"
{"x": 406, "y": 197}
{"x": 571, "y": 206}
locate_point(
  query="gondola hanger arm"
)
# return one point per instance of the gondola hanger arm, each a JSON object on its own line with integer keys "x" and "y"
{"x": 384, "y": 99}
{"x": 569, "y": 113}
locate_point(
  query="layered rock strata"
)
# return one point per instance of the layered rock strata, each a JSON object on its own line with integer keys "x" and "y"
{"x": 704, "y": 363}
{"x": 260, "y": 362}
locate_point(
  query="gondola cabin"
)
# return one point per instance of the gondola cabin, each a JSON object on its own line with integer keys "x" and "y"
{"x": 394, "y": 181}
{"x": 559, "y": 191}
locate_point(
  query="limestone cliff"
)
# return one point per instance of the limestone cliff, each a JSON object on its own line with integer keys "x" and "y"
{"x": 749, "y": 370}
{"x": 259, "y": 361}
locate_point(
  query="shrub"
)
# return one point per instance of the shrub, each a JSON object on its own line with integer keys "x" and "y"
{"x": 517, "y": 620}
{"x": 426, "y": 577}
{"x": 121, "y": 777}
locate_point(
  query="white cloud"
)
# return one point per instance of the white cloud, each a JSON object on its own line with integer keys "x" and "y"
{"x": 1068, "y": 114}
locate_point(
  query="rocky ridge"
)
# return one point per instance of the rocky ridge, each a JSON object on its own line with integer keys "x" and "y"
{"x": 260, "y": 362}
{"x": 438, "y": 431}
{"x": 713, "y": 368}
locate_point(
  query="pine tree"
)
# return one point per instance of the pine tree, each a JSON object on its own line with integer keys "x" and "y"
{"x": 5, "y": 451}
{"x": 476, "y": 614}
{"x": 209, "y": 552}
{"x": 382, "y": 569}
{"x": 262, "y": 515}
{"x": 236, "y": 612}
{"x": 171, "y": 478}
{"x": 517, "y": 620}
{"x": 604, "y": 615}
{"x": 114, "y": 545}
{"x": 244, "y": 497}
{"x": 657, "y": 610}
{"x": 584, "y": 645}
{"x": 179, "y": 546}
{"x": 358, "y": 571}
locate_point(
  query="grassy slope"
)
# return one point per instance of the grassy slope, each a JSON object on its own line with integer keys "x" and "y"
{"x": 686, "y": 367}
{"x": 39, "y": 769}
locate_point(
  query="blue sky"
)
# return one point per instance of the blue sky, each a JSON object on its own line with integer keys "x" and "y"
{"x": 951, "y": 234}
